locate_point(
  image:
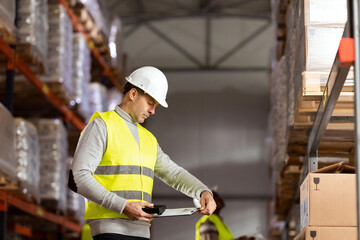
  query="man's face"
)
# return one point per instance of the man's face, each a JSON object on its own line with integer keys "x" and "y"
{"x": 143, "y": 106}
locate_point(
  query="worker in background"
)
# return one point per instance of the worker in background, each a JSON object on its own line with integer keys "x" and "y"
{"x": 116, "y": 159}
{"x": 213, "y": 227}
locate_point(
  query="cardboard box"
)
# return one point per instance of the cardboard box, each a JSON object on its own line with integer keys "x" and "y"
{"x": 321, "y": 46}
{"x": 327, "y": 233}
{"x": 327, "y": 12}
{"x": 328, "y": 200}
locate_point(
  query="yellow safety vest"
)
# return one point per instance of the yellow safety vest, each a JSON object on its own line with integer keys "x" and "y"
{"x": 86, "y": 233}
{"x": 127, "y": 168}
{"x": 223, "y": 230}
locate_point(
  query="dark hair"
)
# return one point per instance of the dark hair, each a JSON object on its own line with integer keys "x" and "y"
{"x": 128, "y": 86}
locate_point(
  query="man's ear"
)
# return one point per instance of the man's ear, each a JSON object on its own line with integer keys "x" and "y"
{"x": 133, "y": 93}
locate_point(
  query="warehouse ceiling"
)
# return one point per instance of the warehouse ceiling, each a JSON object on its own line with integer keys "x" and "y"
{"x": 216, "y": 56}
{"x": 196, "y": 35}
{"x": 141, "y": 11}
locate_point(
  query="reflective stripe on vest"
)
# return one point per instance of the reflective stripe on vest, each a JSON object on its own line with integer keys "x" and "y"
{"x": 127, "y": 168}
{"x": 223, "y": 230}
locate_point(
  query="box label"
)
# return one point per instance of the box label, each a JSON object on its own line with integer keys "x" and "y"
{"x": 304, "y": 213}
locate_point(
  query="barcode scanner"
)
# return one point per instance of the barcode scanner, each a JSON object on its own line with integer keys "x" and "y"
{"x": 157, "y": 209}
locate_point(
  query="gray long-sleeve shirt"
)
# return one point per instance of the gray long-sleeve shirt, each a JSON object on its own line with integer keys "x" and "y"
{"x": 90, "y": 149}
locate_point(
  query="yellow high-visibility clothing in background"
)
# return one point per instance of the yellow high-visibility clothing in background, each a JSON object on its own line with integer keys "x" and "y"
{"x": 223, "y": 230}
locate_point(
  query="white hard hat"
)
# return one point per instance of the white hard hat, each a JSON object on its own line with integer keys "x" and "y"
{"x": 152, "y": 81}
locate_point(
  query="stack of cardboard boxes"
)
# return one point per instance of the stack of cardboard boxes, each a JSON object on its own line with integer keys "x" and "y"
{"x": 328, "y": 207}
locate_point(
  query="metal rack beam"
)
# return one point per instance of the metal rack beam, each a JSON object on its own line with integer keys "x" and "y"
{"x": 7, "y": 200}
{"x": 43, "y": 88}
{"x": 94, "y": 51}
{"x": 335, "y": 83}
{"x": 355, "y": 17}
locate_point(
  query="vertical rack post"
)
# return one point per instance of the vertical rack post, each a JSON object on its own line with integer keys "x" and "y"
{"x": 354, "y": 19}
{"x": 9, "y": 85}
{"x": 3, "y": 215}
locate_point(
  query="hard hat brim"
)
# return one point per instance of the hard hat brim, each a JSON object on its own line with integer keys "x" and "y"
{"x": 162, "y": 103}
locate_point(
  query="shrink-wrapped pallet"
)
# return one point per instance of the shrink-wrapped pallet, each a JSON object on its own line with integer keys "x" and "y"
{"x": 116, "y": 43}
{"x": 324, "y": 26}
{"x": 114, "y": 97}
{"x": 81, "y": 73}
{"x": 7, "y": 15}
{"x": 325, "y": 12}
{"x": 97, "y": 10}
{"x": 278, "y": 115}
{"x": 314, "y": 30}
{"x": 27, "y": 154}
{"x": 75, "y": 206}
{"x": 321, "y": 45}
{"x": 290, "y": 52}
{"x": 75, "y": 203}
{"x": 60, "y": 56}
{"x": 7, "y": 146}
{"x": 32, "y": 25}
{"x": 97, "y": 98}
{"x": 316, "y": 81}
{"x": 53, "y": 157}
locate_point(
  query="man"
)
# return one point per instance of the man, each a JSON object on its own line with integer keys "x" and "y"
{"x": 116, "y": 160}
{"x": 213, "y": 227}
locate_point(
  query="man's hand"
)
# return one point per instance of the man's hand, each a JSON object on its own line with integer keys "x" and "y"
{"x": 134, "y": 211}
{"x": 207, "y": 203}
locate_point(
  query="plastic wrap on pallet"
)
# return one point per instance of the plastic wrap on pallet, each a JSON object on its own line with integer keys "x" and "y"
{"x": 97, "y": 98}
{"x": 53, "y": 156}
{"x": 81, "y": 73}
{"x": 316, "y": 81}
{"x": 75, "y": 202}
{"x": 299, "y": 49}
{"x": 321, "y": 45}
{"x": 290, "y": 52}
{"x": 116, "y": 43}
{"x": 7, "y": 15}
{"x": 114, "y": 98}
{"x": 7, "y": 146}
{"x": 325, "y": 12}
{"x": 32, "y": 25}
{"x": 278, "y": 114}
{"x": 75, "y": 206}
{"x": 60, "y": 40}
{"x": 27, "y": 154}
{"x": 98, "y": 12}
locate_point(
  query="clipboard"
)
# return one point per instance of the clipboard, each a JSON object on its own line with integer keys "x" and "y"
{"x": 175, "y": 212}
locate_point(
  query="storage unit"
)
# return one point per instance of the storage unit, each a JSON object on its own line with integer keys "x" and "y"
{"x": 46, "y": 85}
{"x": 63, "y": 63}
{"x": 318, "y": 128}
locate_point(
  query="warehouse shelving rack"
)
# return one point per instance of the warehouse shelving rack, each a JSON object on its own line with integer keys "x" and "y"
{"x": 8, "y": 200}
{"x": 15, "y": 61}
{"x": 94, "y": 51}
{"x": 11, "y": 202}
{"x": 348, "y": 55}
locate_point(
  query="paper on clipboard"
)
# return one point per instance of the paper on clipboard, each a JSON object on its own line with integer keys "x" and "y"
{"x": 174, "y": 212}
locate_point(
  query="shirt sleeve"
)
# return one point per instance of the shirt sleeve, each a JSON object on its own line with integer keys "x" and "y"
{"x": 89, "y": 151}
{"x": 177, "y": 177}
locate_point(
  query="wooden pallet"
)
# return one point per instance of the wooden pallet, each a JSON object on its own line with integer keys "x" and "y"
{"x": 28, "y": 101}
{"x": 311, "y": 93}
{"x": 7, "y": 36}
{"x": 51, "y": 205}
{"x": 30, "y": 55}
{"x": 96, "y": 35}
{"x": 15, "y": 189}
{"x": 7, "y": 184}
